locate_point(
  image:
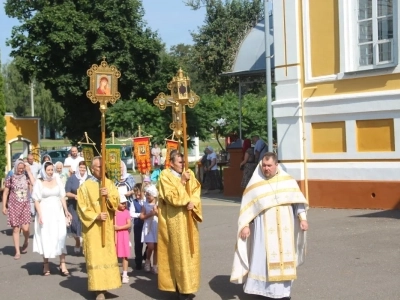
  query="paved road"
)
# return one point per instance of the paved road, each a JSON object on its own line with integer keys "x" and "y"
{"x": 352, "y": 254}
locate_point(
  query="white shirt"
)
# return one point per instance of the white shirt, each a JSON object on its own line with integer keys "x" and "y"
{"x": 35, "y": 168}
{"x": 132, "y": 211}
{"x": 211, "y": 157}
{"x": 73, "y": 162}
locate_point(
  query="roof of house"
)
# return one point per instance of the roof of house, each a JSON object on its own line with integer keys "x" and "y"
{"x": 250, "y": 58}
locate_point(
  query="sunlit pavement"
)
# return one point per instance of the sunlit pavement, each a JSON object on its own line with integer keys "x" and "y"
{"x": 351, "y": 254}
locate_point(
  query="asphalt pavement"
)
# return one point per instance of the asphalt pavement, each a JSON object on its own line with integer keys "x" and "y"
{"x": 351, "y": 254}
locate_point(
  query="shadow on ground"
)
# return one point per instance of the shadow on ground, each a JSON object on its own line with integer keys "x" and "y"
{"x": 8, "y": 250}
{"x": 79, "y": 285}
{"x": 146, "y": 283}
{"x": 226, "y": 290}
{"x": 390, "y": 214}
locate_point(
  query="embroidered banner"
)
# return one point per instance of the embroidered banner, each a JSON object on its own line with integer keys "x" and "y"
{"x": 88, "y": 151}
{"x": 142, "y": 154}
{"x": 113, "y": 162}
{"x": 170, "y": 145}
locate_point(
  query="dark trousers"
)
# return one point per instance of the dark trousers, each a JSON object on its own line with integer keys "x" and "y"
{"x": 137, "y": 236}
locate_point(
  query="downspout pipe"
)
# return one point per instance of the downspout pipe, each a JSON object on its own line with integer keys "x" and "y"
{"x": 268, "y": 77}
{"x": 304, "y": 139}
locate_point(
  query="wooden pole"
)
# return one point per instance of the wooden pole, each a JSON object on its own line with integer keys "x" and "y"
{"x": 103, "y": 173}
{"x": 187, "y": 186}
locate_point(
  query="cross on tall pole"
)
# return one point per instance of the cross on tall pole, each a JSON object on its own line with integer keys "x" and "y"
{"x": 181, "y": 95}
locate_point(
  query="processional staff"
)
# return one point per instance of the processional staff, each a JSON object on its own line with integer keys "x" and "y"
{"x": 103, "y": 89}
{"x": 181, "y": 95}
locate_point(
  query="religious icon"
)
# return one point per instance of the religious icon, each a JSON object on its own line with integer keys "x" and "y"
{"x": 112, "y": 158}
{"x": 87, "y": 154}
{"x": 103, "y": 85}
{"x": 142, "y": 149}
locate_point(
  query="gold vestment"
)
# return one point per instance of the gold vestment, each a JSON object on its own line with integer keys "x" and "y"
{"x": 101, "y": 262}
{"x": 177, "y": 267}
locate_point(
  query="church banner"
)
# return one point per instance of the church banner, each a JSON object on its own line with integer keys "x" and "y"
{"x": 170, "y": 145}
{"x": 113, "y": 162}
{"x": 142, "y": 154}
{"x": 88, "y": 151}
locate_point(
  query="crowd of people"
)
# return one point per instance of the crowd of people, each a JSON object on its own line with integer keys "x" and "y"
{"x": 163, "y": 219}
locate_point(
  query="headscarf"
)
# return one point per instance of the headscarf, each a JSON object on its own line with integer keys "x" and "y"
{"x": 78, "y": 175}
{"x": 46, "y": 155}
{"x": 16, "y": 164}
{"x": 55, "y": 167}
{"x": 124, "y": 173}
{"x": 210, "y": 148}
{"x": 152, "y": 190}
{"x": 246, "y": 145}
{"x": 43, "y": 174}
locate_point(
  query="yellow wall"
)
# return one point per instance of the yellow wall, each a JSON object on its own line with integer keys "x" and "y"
{"x": 375, "y": 135}
{"x": 26, "y": 127}
{"x": 358, "y": 85}
{"x": 328, "y": 137}
{"x": 324, "y": 37}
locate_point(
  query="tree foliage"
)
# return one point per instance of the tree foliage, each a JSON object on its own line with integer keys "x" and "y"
{"x": 218, "y": 40}
{"x": 219, "y": 116}
{"x": 125, "y": 118}
{"x": 3, "y": 161}
{"x": 58, "y": 41}
{"x": 17, "y": 99}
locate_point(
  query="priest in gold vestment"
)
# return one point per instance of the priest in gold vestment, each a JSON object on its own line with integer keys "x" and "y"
{"x": 178, "y": 268}
{"x": 101, "y": 262}
{"x": 272, "y": 229}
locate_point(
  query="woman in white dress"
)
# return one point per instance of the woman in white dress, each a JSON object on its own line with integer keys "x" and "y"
{"x": 51, "y": 219}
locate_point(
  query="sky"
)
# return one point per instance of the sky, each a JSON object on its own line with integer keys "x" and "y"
{"x": 171, "y": 18}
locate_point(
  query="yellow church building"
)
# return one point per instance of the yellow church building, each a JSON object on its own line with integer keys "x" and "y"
{"x": 337, "y": 104}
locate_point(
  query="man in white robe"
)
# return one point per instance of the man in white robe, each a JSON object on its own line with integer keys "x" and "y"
{"x": 271, "y": 232}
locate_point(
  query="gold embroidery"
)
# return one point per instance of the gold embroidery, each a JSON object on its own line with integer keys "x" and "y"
{"x": 282, "y": 277}
{"x": 251, "y": 203}
{"x": 102, "y": 267}
{"x": 265, "y": 182}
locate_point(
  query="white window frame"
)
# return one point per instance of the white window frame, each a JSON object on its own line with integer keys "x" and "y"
{"x": 349, "y": 47}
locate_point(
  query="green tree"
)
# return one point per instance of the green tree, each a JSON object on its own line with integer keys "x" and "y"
{"x": 218, "y": 40}
{"x": 3, "y": 161}
{"x": 125, "y": 118}
{"x": 219, "y": 116}
{"x": 17, "y": 94}
{"x": 183, "y": 54}
{"x": 58, "y": 41}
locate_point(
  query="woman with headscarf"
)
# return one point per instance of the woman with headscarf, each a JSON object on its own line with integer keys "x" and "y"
{"x": 51, "y": 219}
{"x": 16, "y": 195}
{"x": 58, "y": 171}
{"x": 248, "y": 164}
{"x": 71, "y": 189}
{"x": 125, "y": 185}
{"x": 45, "y": 158}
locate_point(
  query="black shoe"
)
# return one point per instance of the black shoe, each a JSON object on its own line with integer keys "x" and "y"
{"x": 138, "y": 267}
{"x": 185, "y": 296}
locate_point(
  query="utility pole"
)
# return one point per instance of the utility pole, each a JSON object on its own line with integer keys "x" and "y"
{"x": 32, "y": 102}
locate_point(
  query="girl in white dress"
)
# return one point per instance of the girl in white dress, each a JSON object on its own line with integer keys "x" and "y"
{"x": 150, "y": 227}
{"x": 51, "y": 219}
